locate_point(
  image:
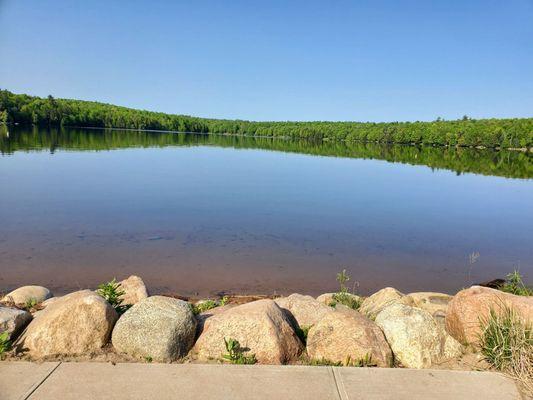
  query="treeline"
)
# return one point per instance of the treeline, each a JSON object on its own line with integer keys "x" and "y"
{"x": 51, "y": 112}
{"x": 512, "y": 164}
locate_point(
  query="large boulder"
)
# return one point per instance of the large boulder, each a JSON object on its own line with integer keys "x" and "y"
{"x": 158, "y": 327}
{"x": 471, "y": 306}
{"x": 327, "y": 298}
{"x": 304, "y": 310}
{"x": 203, "y": 317}
{"x": 416, "y": 339}
{"x": 13, "y": 320}
{"x": 260, "y": 326}
{"x": 434, "y": 303}
{"x": 134, "y": 290}
{"x": 346, "y": 336}
{"x": 26, "y": 293}
{"x": 78, "y": 323}
{"x": 374, "y": 304}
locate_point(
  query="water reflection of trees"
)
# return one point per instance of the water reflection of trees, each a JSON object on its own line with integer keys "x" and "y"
{"x": 481, "y": 161}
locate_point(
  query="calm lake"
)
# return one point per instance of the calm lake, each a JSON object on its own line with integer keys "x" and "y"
{"x": 199, "y": 215}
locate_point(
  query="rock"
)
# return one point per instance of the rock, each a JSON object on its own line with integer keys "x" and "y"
{"x": 78, "y": 323}
{"x": 471, "y": 305}
{"x": 347, "y": 335}
{"x": 413, "y": 335}
{"x": 452, "y": 348}
{"x": 327, "y": 298}
{"x": 26, "y": 293}
{"x": 158, "y": 327}
{"x": 203, "y": 318}
{"x": 13, "y": 320}
{"x": 434, "y": 303}
{"x": 260, "y": 326}
{"x": 304, "y": 310}
{"x": 374, "y": 304}
{"x": 134, "y": 289}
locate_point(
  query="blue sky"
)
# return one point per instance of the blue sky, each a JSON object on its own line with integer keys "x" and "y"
{"x": 277, "y": 60}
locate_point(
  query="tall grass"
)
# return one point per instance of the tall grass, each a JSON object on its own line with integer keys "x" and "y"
{"x": 507, "y": 344}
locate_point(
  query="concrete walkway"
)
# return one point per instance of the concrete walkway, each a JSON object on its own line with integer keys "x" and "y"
{"x": 92, "y": 381}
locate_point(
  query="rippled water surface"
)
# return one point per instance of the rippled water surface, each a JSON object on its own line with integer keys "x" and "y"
{"x": 205, "y": 214}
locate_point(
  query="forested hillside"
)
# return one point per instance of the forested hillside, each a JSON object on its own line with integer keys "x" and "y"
{"x": 31, "y": 110}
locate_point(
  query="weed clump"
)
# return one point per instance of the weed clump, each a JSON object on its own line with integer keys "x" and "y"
{"x": 515, "y": 285}
{"x": 112, "y": 292}
{"x": 365, "y": 361}
{"x": 507, "y": 344}
{"x": 236, "y": 354}
{"x": 343, "y": 296}
{"x": 208, "y": 305}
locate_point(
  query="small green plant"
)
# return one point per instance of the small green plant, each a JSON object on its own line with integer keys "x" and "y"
{"x": 343, "y": 296}
{"x": 507, "y": 344}
{"x": 223, "y": 301}
{"x": 235, "y": 353}
{"x": 302, "y": 333}
{"x": 30, "y": 304}
{"x": 203, "y": 306}
{"x": 112, "y": 292}
{"x": 148, "y": 359}
{"x": 208, "y": 305}
{"x": 5, "y": 344}
{"x": 342, "y": 278}
{"x": 346, "y": 299}
{"x": 515, "y": 285}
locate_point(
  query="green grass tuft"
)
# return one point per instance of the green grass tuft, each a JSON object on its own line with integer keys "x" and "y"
{"x": 507, "y": 344}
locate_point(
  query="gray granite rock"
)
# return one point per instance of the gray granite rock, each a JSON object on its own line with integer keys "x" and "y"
{"x": 160, "y": 328}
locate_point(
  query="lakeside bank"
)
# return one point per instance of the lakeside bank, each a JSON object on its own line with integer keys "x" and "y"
{"x": 121, "y": 322}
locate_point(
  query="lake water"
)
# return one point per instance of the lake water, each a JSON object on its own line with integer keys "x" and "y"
{"x": 199, "y": 215}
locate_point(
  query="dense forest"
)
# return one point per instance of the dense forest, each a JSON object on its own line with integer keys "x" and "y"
{"x": 50, "y": 112}
{"x": 513, "y": 164}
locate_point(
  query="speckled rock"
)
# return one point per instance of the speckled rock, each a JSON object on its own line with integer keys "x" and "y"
{"x": 26, "y": 293}
{"x": 13, "y": 320}
{"x": 260, "y": 326}
{"x": 304, "y": 310}
{"x": 346, "y": 335}
{"x": 414, "y": 336}
{"x": 78, "y": 323}
{"x": 203, "y": 318}
{"x": 472, "y": 305}
{"x": 434, "y": 303}
{"x": 158, "y": 327}
{"x": 135, "y": 290}
{"x": 374, "y": 304}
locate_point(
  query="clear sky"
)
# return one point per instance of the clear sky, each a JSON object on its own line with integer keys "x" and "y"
{"x": 373, "y": 60}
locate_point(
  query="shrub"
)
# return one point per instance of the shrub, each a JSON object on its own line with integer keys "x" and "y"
{"x": 235, "y": 353}
{"x": 507, "y": 344}
{"x": 113, "y": 294}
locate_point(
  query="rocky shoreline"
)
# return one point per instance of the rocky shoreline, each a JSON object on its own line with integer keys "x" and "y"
{"x": 386, "y": 329}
